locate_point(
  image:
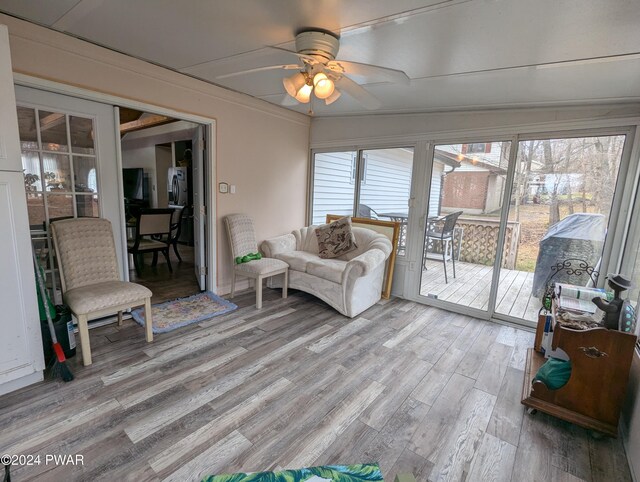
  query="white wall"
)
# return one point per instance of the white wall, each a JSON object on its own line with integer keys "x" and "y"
{"x": 261, "y": 148}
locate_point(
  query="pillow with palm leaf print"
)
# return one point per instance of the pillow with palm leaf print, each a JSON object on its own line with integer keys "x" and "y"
{"x": 325, "y": 473}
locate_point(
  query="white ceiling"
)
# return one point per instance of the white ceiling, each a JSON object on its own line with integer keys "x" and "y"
{"x": 459, "y": 54}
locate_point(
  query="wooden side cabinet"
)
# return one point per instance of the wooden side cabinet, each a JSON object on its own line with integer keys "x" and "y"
{"x": 593, "y": 396}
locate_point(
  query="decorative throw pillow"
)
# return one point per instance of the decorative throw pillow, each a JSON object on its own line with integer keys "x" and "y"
{"x": 336, "y": 238}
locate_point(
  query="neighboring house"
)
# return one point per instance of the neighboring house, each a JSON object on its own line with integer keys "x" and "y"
{"x": 385, "y": 186}
{"x": 477, "y": 184}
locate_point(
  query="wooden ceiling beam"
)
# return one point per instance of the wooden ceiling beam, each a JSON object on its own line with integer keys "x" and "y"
{"x": 150, "y": 121}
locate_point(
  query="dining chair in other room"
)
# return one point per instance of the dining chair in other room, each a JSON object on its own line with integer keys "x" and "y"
{"x": 443, "y": 230}
{"x": 90, "y": 278}
{"x": 176, "y": 229}
{"x": 242, "y": 239}
{"x": 152, "y": 235}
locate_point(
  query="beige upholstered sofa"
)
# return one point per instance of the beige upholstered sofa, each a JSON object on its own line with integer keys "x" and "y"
{"x": 350, "y": 283}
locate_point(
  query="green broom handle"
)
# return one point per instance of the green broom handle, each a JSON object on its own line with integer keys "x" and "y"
{"x": 43, "y": 294}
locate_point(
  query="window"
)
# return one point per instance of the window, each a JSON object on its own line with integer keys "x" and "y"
{"x": 382, "y": 193}
{"x": 477, "y": 148}
{"x": 60, "y": 174}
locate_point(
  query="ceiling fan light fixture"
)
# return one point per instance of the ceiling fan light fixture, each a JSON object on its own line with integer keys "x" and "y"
{"x": 294, "y": 83}
{"x": 304, "y": 94}
{"x": 333, "y": 97}
{"x": 323, "y": 85}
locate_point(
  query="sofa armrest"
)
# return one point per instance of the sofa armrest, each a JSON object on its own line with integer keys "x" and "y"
{"x": 280, "y": 244}
{"x": 364, "y": 264}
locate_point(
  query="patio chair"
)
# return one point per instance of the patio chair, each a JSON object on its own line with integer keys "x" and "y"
{"x": 242, "y": 239}
{"x": 443, "y": 230}
{"x": 365, "y": 211}
{"x": 91, "y": 285}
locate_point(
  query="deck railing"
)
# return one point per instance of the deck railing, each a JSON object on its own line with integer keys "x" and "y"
{"x": 480, "y": 238}
{"x": 476, "y": 240}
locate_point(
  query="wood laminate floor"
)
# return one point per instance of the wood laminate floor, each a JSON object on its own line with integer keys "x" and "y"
{"x": 296, "y": 384}
{"x": 164, "y": 284}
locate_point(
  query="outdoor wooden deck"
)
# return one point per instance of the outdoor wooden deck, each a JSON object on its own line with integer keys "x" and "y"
{"x": 472, "y": 284}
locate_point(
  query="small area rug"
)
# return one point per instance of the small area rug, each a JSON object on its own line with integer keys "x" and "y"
{"x": 180, "y": 312}
{"x": 325, "y": 473}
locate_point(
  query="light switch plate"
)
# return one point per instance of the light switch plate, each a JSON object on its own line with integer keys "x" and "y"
{"x": 232, "y": 188}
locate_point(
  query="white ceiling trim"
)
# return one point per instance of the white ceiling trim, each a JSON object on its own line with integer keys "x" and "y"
{"x": 90, "y": 52}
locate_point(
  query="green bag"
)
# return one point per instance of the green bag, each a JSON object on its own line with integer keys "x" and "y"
{"x": 554, "y": 373}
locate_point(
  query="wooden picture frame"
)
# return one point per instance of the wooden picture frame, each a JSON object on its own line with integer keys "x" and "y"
{"x": 391, "y": 229}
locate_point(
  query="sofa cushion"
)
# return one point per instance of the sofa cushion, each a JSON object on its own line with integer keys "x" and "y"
{"x": 335, "y": 238}
{"x": 329, "y": 269}
{"x": 297, "y": 260}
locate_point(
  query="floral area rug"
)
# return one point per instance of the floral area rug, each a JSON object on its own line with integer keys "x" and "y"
{"x": 325, "y": 473}
{"x": 174, "y": 314}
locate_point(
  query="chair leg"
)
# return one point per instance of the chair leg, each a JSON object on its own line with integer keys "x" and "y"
{"x": 453, "y": 256}
{"x": 83, "y": 329}
{"x": 233, "y": 282}
{"x": 175, "y": 250}
{"x": 444, "y": 262}
{"x": 119, "y": 318}
{"x": 285, "y": 285}
{"x": 259, "y": 293}
{"x": 136, "y": 263}
{"x": 165, "y": 253}
{"x": 148, "y": 320}
{"x": 154, "y": 262}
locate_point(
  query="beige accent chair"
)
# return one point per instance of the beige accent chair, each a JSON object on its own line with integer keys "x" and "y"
{"x": 242, "y": 239}
{"x": 91, "y": 283}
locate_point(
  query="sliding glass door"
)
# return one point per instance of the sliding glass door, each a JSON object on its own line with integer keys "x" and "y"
{"x": 561, "y": 199}
{"x": 503, "y": 217}
{"x": 463, "y": 222}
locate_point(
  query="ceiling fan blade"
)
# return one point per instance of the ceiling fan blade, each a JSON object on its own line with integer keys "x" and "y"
{"x": 364, "y": 97}
{"x": 306, "y": 58}
{"x": 368, "y": 70}
{"x": 261, "y": 69}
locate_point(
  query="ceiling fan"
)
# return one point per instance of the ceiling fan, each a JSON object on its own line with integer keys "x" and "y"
{"x": 320, "y": 74}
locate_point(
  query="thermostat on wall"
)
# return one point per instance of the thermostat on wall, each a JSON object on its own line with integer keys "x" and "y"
{"x": 223, "y": 187}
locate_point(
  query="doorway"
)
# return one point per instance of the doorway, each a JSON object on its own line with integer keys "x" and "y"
{"x": 162, "y": 160}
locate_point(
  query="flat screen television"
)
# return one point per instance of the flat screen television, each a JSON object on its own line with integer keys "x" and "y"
{"x": 133, "y": 181}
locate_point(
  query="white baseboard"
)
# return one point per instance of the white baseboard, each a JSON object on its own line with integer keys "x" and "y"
{"x": 241, "y": 285}
{"x": 21, "y": 382}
